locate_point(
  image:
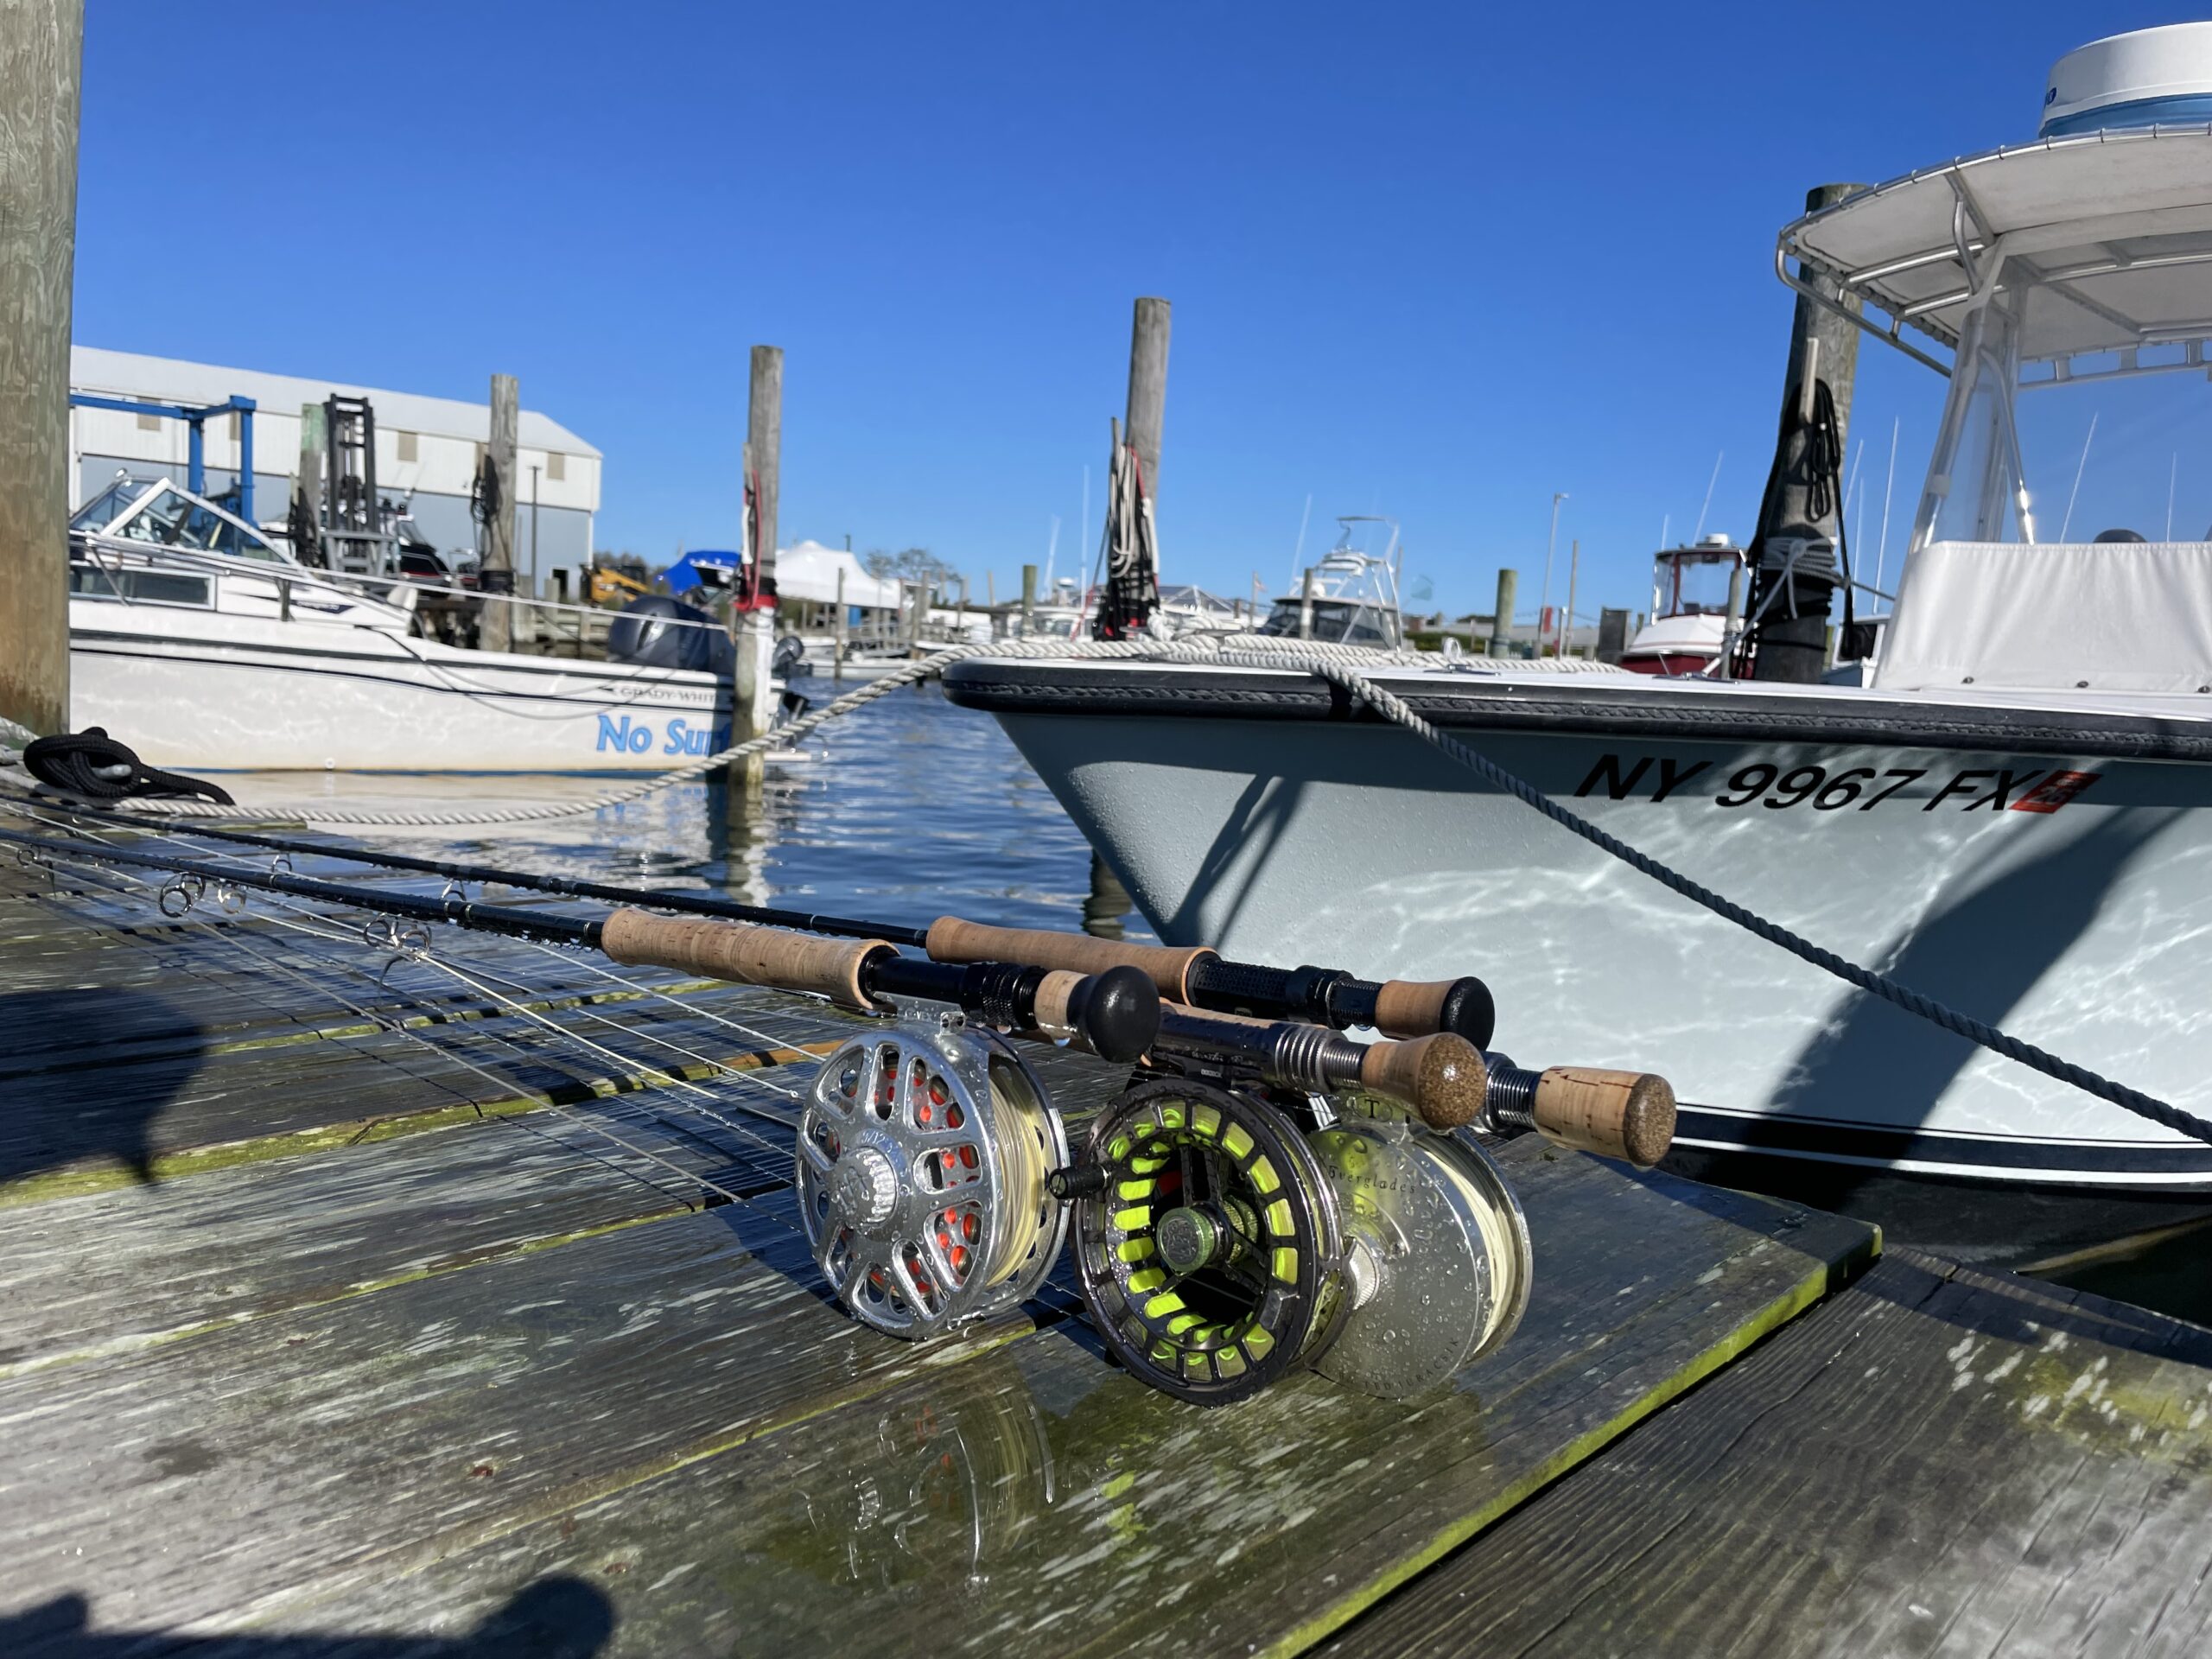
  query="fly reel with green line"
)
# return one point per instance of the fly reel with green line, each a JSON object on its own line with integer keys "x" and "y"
{"x": 1234, "y": 1224}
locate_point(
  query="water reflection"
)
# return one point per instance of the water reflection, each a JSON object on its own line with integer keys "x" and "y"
{"x": 908, "y": 810}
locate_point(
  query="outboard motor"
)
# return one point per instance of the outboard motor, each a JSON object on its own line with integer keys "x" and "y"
{"x": 657, "y": 631}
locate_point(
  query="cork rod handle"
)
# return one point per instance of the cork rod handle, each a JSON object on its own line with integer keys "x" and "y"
{"x": 951, "y": 939}
{"x": 1624, "y": 1115}
{"x": 1442, "y": 1077}
{"x": 744, "y": 952}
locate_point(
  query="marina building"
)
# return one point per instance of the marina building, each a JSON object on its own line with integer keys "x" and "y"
{"x": 427, "y": 450}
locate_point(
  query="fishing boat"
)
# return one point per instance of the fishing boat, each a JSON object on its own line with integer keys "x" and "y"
{"x": 2012, "y": 813}
{"x": 1349, "y": 598}
{"x": 1689, "y": 609}
{"x": 211, "y": 648}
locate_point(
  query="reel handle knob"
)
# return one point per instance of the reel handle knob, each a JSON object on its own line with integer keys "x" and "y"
{"x": 1410, "y": 1007}
{"x": 1441, "y": 1076}
{"x": 744, "y": 952}
{"x": 1115, "y": 1015}
{"x": 1624, "y": 1115}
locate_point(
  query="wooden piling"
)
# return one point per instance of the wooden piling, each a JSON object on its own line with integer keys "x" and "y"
{"x": 837, "y": 631}
{"x": 1574, "y": 571}
{"x": 496, "y": 628}
{"x": 1306, "y": 605}
{"x": 1028, "y": 600}
{"x": 41, "y": 50}
{"x": 307, "y": 482}
{"x": 1822, "y": 346}
{"x": 1501, "y": 626}
{"x": 753, "y": 696}
{"x": 1147, "y": 410}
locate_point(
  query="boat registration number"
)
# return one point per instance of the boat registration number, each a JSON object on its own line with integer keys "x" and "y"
{"x": 1860, "y": 789}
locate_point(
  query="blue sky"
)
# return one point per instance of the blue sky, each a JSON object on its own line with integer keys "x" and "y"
{"x": 1424, "y": 260}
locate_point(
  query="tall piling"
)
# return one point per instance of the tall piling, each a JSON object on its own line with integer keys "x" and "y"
{"x": 1798, "y": 570}
{"x": 496, "y": 629}
{"x": 41, "y": 53}
{"x": 305, "y": 518}
{"x": 1148, "y": 411}
{"x": 1501, "y": 625}
{"x": 1028, "y": 600}
{"x": 753, "y": 696}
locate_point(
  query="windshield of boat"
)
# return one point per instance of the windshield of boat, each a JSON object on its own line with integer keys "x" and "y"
{"x": 1337, "y": 621}
{"x": 2090, "y": 447}
{"x": 1695, "y": 583}
{"x": 111, "y": 504}
{"x": 158, "y": 513}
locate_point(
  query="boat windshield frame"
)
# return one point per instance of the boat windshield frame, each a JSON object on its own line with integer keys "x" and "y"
{"x": 251, "y": 547}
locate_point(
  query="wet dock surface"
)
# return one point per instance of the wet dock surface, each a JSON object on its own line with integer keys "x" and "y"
{"x": 359, "y": 1303}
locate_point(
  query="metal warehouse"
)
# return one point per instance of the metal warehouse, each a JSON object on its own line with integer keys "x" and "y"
{"x": 427, "y": 450}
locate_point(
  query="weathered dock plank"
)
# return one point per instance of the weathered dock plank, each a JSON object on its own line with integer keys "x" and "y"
{"x": 114, "y": 1271}
{"x": 215, "y": 1475}
{"x": 1937, "y": 1461}
{"x": 1057, "y": 1504}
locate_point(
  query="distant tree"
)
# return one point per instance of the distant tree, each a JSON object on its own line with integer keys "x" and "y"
{"x": 908, "y": 564}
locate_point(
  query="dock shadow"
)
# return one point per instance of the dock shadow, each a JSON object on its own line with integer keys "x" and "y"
{"x": 556, "y": 1618}
{"x": 79, "y": 1099}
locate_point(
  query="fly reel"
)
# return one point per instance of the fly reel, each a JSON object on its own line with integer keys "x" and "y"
{"x": 922, "y": 1158}
{"x": 1230, "y": 1245}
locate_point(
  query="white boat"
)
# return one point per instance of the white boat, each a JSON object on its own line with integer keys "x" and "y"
{"x": 1689, "y": 609}
{"x": 1350, "y": 598}
{"x": 204, "y": 647}
{"x": 2013, "y": 815}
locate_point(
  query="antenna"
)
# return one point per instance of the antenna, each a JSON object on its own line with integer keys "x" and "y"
{"x": 2079, "y": 467}
{"x": 1882, "y": 557}
{"x": 1051, "y": 552}
{"x": 2171, "y": 471}
{"x": 1298, "y": 553}
{"x": 1665, "y": 521}
{"x": 1699, "y": 532}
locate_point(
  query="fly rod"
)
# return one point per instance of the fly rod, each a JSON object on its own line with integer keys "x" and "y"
{"x": 1116, "y": 1013}
{"x": 1111, "y": 1007}
{"x": 1191, "y": 975}
{"x": 1251, "y": 1202}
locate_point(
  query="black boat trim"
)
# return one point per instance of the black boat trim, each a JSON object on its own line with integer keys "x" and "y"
{"x": 1592, "y": 706}
{"x": 2068, "y": 1162}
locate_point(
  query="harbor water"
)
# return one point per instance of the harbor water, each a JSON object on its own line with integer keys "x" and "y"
{"x": 908, "y": 809}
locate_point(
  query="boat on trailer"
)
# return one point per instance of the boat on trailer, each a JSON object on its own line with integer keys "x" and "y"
{"x": 2012, "y": 813}
{"x": 208, "y": 647}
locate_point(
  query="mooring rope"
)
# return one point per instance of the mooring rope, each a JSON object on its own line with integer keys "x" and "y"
{"x": 1341, "y": 665}
{"x": 1395, "y": 710}
{"x": 1291, "y": 653}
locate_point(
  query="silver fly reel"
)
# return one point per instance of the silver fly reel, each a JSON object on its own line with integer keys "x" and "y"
{"x": 1437, "y": 1263}
{"x": 922, "y": 1156}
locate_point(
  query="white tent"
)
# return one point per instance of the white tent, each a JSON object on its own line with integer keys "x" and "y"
{"x": 809, "y": 572}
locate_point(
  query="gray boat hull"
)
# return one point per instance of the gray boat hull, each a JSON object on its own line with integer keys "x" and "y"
{"x": 2060, "y": 892}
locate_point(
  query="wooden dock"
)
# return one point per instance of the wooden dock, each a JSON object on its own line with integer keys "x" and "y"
{"x": 356, "y": 1308}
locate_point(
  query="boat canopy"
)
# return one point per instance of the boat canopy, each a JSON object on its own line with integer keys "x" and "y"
{"x": 2114, "y": 230}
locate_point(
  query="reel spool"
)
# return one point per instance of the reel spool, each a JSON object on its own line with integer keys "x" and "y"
{"x": 1212, "y": 1261}
{"x": 922, "y": 1157}
{"x": 1437, "y": 1259}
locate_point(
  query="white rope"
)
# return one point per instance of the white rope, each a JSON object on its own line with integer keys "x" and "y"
{"x": 1191, "y": 649}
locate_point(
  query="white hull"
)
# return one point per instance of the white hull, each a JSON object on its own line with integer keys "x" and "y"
{"x": 201, "y": 690}
{"x": 1283, "y": 835}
